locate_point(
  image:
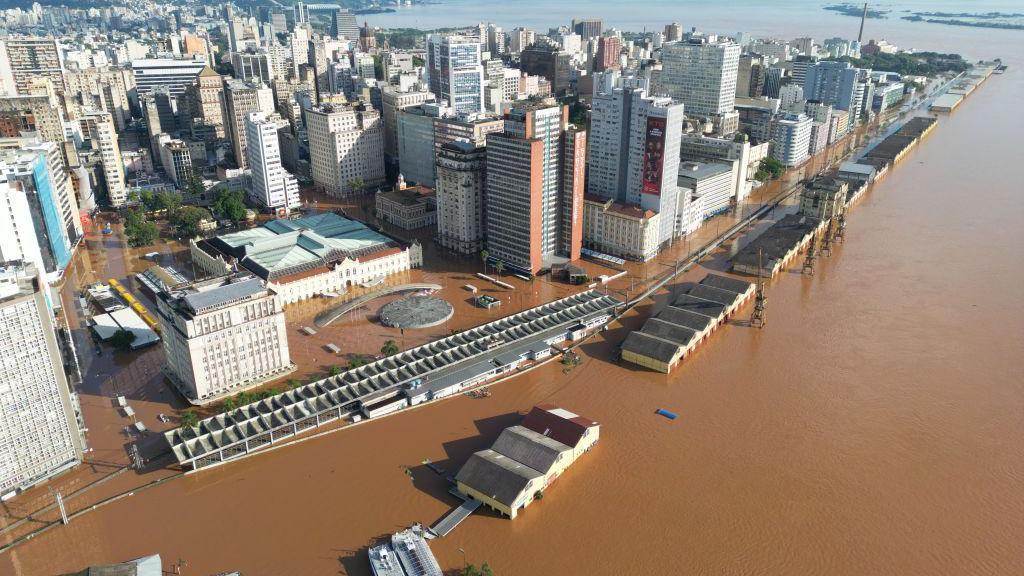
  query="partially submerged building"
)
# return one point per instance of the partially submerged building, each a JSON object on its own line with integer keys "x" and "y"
{"x": 526, "y": 459}
{"x": 776, "y": 246}
{"x": 407, "y": 554}
{"x": 307, "y": 256}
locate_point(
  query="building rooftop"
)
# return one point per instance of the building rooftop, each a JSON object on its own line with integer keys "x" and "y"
{"x": 496, "y": 475}
{"x": 706, "y": 292}
{"x": 702, "y": 170}
{"x": 651, "y": 346}
{"x": 530, "y": 448}
{"x": 699, "y": 305}
{"x": 777, "y": 241}
{"x": 16, "y": 280}
{"x": 687, "y": 318}
{"x": 558, "y": 423}
{"x": 727, "y": 283}
{"x": 626, "y": 210}
{"x": 230, "y": 292}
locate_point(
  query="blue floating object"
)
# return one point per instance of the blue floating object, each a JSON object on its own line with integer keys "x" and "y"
{"x": 665, "y": 413}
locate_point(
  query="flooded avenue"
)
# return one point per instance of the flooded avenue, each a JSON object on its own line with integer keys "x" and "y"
{"x": 875, "y": 426}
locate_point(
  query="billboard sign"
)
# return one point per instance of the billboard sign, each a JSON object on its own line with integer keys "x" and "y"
{"x": 654, "y": 156}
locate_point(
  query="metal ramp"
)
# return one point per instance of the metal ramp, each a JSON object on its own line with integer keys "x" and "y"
{"x": 457, "y": 515}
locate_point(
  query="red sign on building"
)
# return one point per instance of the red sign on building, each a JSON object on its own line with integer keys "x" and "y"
{"x": 654, "y": 156}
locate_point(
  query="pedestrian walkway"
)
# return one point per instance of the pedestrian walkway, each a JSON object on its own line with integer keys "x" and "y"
{"x": 456, "y": 516}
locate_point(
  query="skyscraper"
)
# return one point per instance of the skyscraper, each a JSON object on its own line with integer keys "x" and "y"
{"x": 455, "y": 71}
{"x": 241, "y": 98}
{"x": 460, "y": 183}
{"x": 701, "y": 74}
{"x": 634, "y": 150}
{"x": 588, "y": 27}
{"x": 791, "y": 139}
{"x": 344, "y": 25}
{"x": 100, "y": 128}
{"x": 534, "y": 198}
{"x": 273, "y": 187}
{"x": 346, "y": 148}
{"x": 831, "y": 82}
{"x": 608, "y": 48}
{"x": 32, "y": 58}
{"x": 176, "y": 75}
{"x": 40, "y": 435}
{"x": 205, "y": 109}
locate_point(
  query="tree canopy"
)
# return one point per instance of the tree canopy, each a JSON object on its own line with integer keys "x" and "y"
{"x": 138, "y": 231}
{"x": 230, "y": 205}
{"x": 122, "y": 339}
{"x": 187, "y": 220}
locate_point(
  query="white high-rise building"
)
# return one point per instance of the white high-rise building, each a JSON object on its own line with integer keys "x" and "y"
{"x": 346, "y": 148}
{"x": 100, "y": 128}
{"x": 273, "y": 187}
{"x": 40, "y": 432}
{"x": 222, "y": 336}
{"x": 701, "y": 74}
{"x": 634, "y": 150}
{"x": 791, "y": 139}
{"x": 456, "y": 73}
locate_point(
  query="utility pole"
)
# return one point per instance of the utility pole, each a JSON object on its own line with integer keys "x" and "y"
{"x": 757, "y": 318}
{"x": 809, "y": 260}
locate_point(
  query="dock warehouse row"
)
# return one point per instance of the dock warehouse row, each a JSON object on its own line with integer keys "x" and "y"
{"x": 428, "y": 372}
{"x": 777, "y": 246}
{"x": 668, "y": 337}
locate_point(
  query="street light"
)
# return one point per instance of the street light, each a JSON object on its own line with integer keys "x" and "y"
{"x": 465, "y": 564}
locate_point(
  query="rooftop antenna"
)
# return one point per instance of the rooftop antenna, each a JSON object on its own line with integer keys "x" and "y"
{"x": 863, "y": 16}
{"x": 757, "y": 318}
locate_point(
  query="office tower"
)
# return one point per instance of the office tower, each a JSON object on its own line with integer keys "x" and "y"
{"x": 40, "y": 432}
{"x": 176, "y": 75}
{"x": 496, "y": 41}
{"x": 701, "y": 75}
{"x": 241, "y": 98}
{"x": 236, "y": 35}
{"x": 39, "y": 217}
{"x": 773, "y": 81}
{"x": 455, "y": 72}
{"x": 791, "y": 97}
{"x": 34, "y": 58}
{"x": 608, "y": 48}
{"x": 750, "y": 76}
{"x": 346, "y": 148}
{"x": 805, "y": 46}
{"x": 673, "y": 32}
{"x": 449, "y": 129}
{"x": 344, "y": 25}
{"x": 176, "y": 159}
{"x": 416, "y": 142}
{"x": 791, "y": 139}
{"x": 520, "y": 39}
{"x": 223, "y": 335}
{"x": 98, "y": 89}
{"x": 834, "y": 83}
{"x": 773, "y": 50}
{"x": 300, "y": 14}
{"x": 252, "y": 65}
{"x": 40, "y": 114}
{"x": 341, "y": 78}
{"x": 460, "y": 183}
{"x": 588, "y": 28}
{"x": 273, "y": 188}
{"x": 534, "y": 192}
{"x": 203, "y": 100}
{"x": 364, "y": 66}
{"x": 392, "y": 101}
{"x": 99, "y": 127}
{"x": 634, "y": 150}
{"x": 549, "y": 62}
{"x": 278, "y": 20}
{"x": 799, "y": 66}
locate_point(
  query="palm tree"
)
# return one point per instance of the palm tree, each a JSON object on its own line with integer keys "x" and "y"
{"x": 499, "y": 266}
{"x": 484, "y": 254}
{"x": 189, "y": 419}
{"x": 389, "y": 348}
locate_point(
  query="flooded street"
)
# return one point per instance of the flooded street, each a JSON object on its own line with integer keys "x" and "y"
{"x": 875, "y": 426}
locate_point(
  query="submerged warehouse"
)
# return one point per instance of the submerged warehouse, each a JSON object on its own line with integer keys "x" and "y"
{"x": 422, "y": 374}
{"x": 669, "y": 336}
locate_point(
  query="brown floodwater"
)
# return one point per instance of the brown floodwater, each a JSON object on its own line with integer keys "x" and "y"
{"x": 875, "y": 426}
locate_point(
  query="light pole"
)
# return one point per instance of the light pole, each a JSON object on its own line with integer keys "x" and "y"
{"x": 465, "y": 564}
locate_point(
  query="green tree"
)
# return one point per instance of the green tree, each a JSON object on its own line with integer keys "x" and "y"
{"x": 122, "y": 340}
{"x": 333, "y": 371}
{"x": 356, "y": 185}
{"x": 484, "y": 255}
{"x": 499, "y": 266}
{"x": 358, "y": 360}
{"x": 389, "y": 348}
{"x": 189, "y": 419}
{"x": 472, "y": 570}
{"x": 291, "y": 384}
{"x": 228, "y": 405}
{"x": 230, "y": 205}
{"x": 187, "y": 220}
{"x": 138, "y": 231}
{"x": 771, "y": 166}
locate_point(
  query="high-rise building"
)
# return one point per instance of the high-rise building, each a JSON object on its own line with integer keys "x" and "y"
{"x": 176, "y": 158}
{"x": 608, "y": 48}
{"x": 42, "y": 114}
{"x": 252, "y": 65}
{"x": 475, "y": 130}
{"x": 549, "y": 62}
{"x": 460, "y": 184}
{"x": 773, "y": 81}
{"x": 455, "y": 72}
{"x": 416, "y": 142}
{"x": 222, "y": 336}
{"x": 634, "y": 150}
{"x": 344, "y": 25}
{"x": 588, "y": 28}
{"x": 831, "y": 82}
{"x": 750, "y": 76}
{"x": 673, "y": 32}
{"x": 701, "y": 75}
{"x": 176, "y": 75}
{"x": 791, "y": 139}
{"x": 496, "y": 41}
{"x": 392, "y": 102}
{"x": 39, "y": 216}
{"x": 346, "y": 148}
{"x": 241, "y": 98}
{"x": 519, "y": 39}
{"x": 534, "y": 192}
{"x": 99, "y": 89}
{"x": 203, "y": 100}
{"x": 40, "y": 431}
{"x": 33, "y": 58}
{"x": 100, "y": 129}
{"x": 273, "y": 187}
